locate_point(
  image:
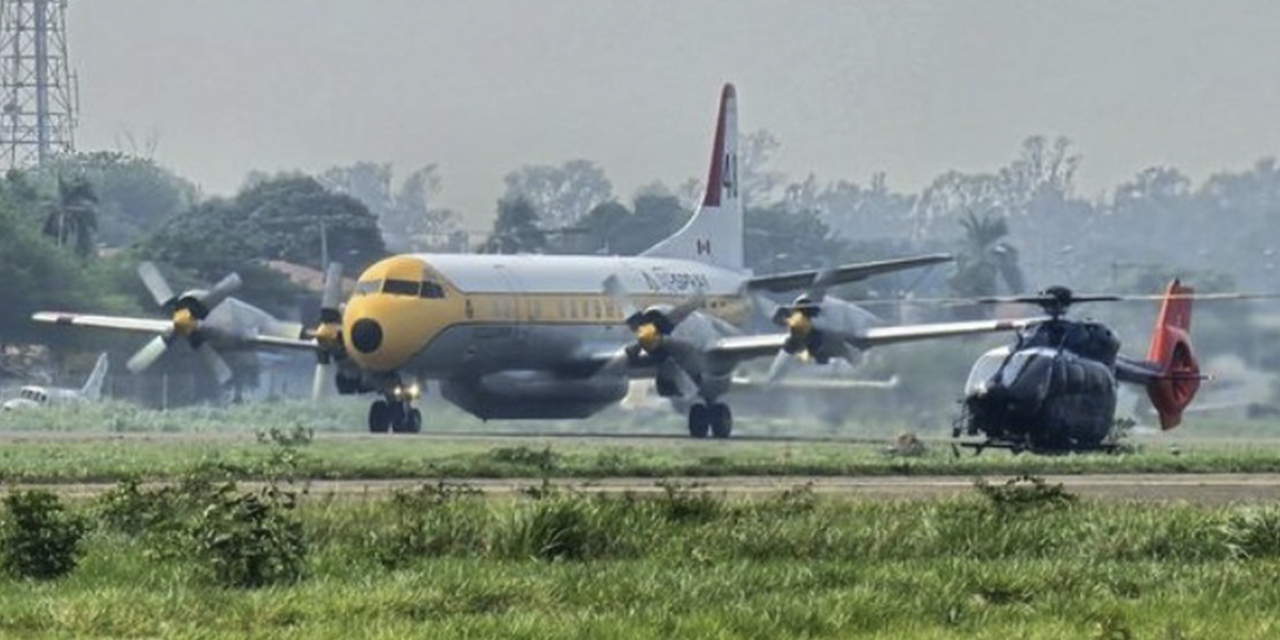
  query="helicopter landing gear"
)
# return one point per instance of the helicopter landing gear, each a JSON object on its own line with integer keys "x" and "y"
{"x": 714, "y": 417}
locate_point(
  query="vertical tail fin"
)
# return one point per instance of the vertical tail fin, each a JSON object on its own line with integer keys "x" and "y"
{"x": 93, "y": 386}
{"x": 714, "y": 234}
{"x": 1170, "y": 350}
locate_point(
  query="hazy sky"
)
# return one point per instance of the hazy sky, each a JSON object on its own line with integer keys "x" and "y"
{"x": 849, "y": 88}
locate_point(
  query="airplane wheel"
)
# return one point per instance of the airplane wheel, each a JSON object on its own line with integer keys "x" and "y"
{"x": 379, "y": 417}
{"x": 698, "y": 421}
{"x": 412, "y": 422}
{"x": 398, "y": 416}
{"x": 721, "y": 420}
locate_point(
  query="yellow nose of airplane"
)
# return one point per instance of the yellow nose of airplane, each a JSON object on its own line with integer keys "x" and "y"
{"x": 394, "y": 315}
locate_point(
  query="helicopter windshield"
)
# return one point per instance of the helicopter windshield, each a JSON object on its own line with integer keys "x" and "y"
{"x": 986, "y": 368}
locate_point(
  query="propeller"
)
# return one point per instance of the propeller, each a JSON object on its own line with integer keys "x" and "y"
{"x": 653, "y": 325}
{"x": 328, "y": 330}
{"x": 187, "y": 312}
{"x": 798, "y": 319}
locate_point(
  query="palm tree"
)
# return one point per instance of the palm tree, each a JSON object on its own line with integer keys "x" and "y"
{"x": 986, "y": 258}
{"x": 75, "y": 212}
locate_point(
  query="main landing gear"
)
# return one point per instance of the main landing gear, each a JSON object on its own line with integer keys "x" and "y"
{"x": 714, "y": 417}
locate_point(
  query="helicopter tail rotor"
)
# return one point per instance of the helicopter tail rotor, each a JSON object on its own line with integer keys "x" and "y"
{"x": 1170, "y": 350}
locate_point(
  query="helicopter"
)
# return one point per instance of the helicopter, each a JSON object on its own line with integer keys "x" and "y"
{"x": 1054, "y": 389}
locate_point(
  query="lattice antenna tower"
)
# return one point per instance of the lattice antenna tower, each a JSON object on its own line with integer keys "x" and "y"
{"x": 38, "y": 97}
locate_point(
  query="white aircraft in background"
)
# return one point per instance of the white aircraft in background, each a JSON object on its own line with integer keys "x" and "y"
{"x": 32, "y": 396}
{"x": 560, "y": 336}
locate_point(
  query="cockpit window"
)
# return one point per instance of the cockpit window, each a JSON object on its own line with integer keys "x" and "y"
{"x": 401, "y": 287}
{"x": 368, "y": 286}
{"x": 984, "y": 370}
{"x": 432, "y": 290}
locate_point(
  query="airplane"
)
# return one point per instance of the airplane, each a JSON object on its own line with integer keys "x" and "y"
{"x": 560, "y": 336}
{"x": 33, "y": 396}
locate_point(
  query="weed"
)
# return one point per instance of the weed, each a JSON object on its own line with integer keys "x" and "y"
{"x": 793, "y": 500}
{"x": 681, "y": 502}
{"x": 435, "y": 520}
{"x": 557, "y": 528}
{"x": 39, "y": 538}
{"x": 1024, "y": 493}
{"x": 1253, "y": 533}
{"x": 293, "y": 436}
{"x": 542, "y": 459}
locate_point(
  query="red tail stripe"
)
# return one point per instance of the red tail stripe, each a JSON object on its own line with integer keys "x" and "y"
{"x": 715, "y": 177}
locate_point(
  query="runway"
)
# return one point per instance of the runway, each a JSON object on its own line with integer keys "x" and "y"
{"x": 1206, "y": 489}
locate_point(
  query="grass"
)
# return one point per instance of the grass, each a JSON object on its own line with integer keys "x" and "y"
{"x": 71, "y": 444}
{"x": 44, "y": 461}
{"x": 443, "y": 564}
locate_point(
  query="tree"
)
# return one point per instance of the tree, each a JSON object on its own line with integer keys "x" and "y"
{"x": 284, "y": 217}
{"x": 985, "y": 258}
{"x": 516, "y": 229}
{"x": 562, "y": 195}
{"x": 781, "y": 239}
{"x": 756, "y": 182}
{"x": 406, "y": 217}
{"x": 135, "y": 195}
{"x": 611, "y": 228}
{"x": 73, "y": 212}
{"x": 271, "y": 219}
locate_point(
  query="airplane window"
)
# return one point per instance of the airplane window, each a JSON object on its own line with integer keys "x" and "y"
{"x": 367, "y": 287}
{"x": 401, "y": 287}
{"x": 432, "y": 290}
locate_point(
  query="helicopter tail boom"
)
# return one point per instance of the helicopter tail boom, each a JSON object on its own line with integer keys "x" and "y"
{"x": 1170, "y": 352}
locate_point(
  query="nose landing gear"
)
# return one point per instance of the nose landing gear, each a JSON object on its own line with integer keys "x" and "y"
{"x": 396, "y": 412}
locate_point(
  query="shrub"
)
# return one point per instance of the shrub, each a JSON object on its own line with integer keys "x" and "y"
{"x": 130, "y": 509}
{"x": 250, "y": 539}
{"x": 39, "y": 537}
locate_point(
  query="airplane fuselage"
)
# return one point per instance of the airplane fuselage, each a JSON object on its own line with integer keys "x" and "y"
{"x": 507, "y": 334}
{"x": 32, "y": 396}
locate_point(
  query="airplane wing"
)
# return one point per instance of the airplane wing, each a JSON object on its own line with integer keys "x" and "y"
{"x": 796, "y": 280}
{"x": 758, "y": 346}
{"x": 815, "y": 384}
{"x": 139, "y": 325}
{"x": 154, "y": 326}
